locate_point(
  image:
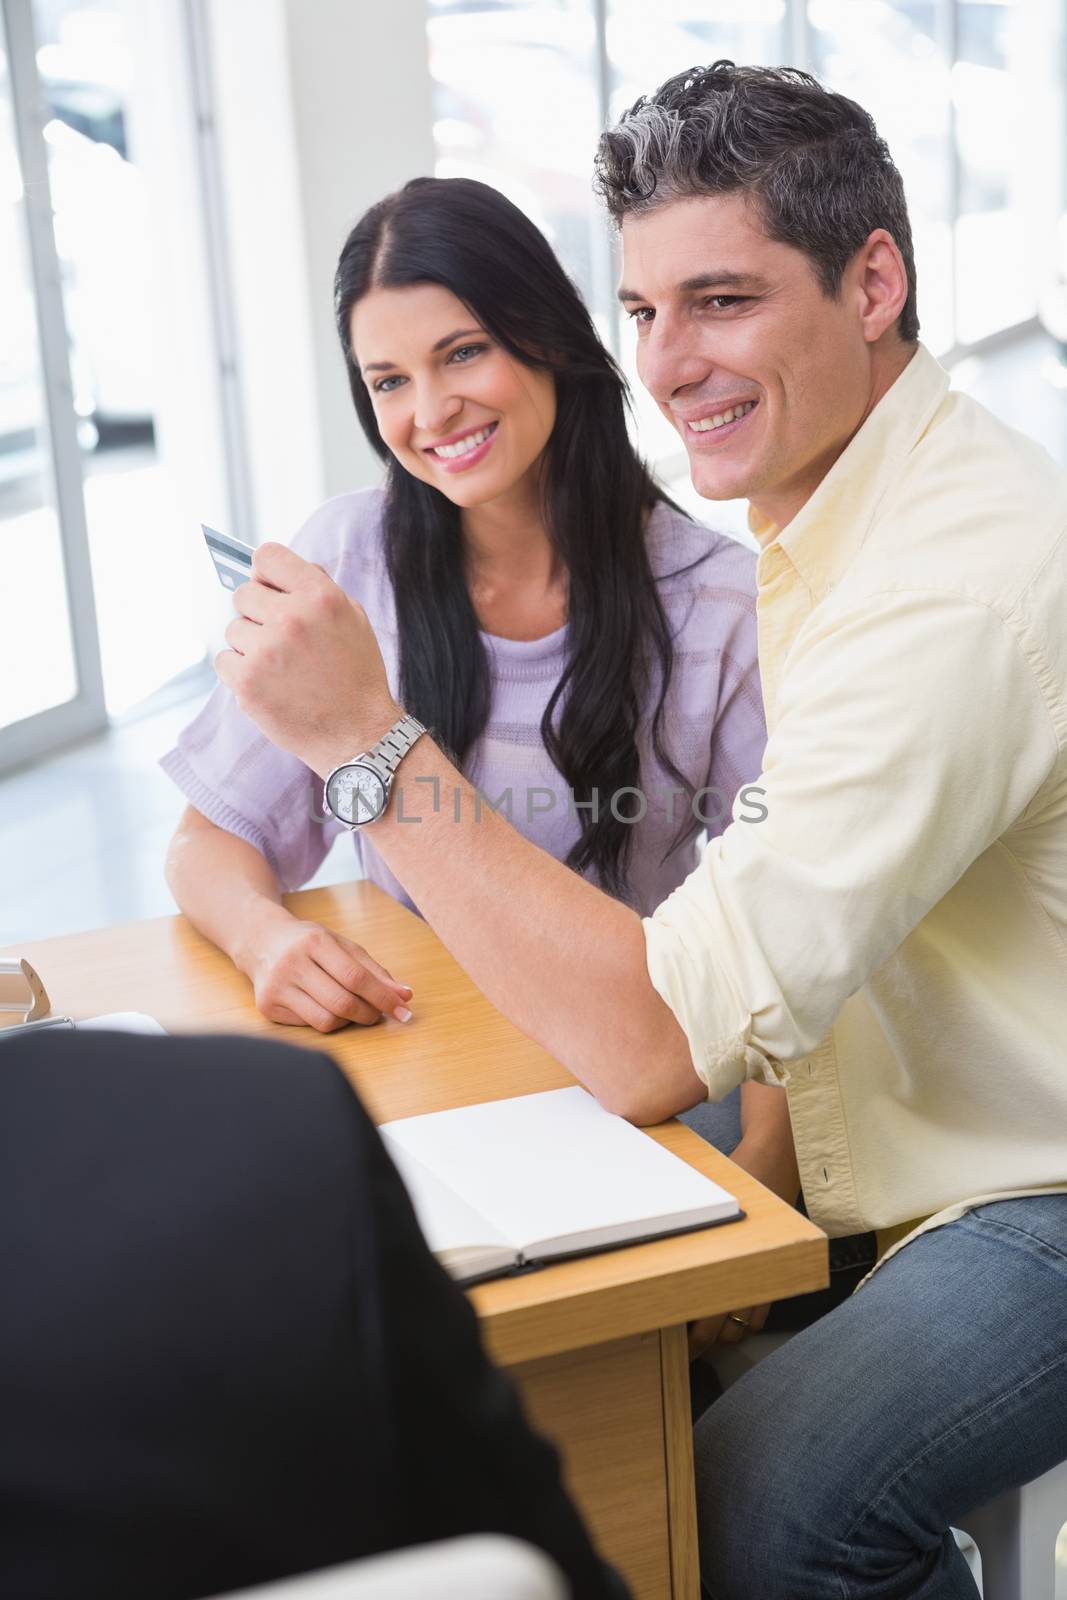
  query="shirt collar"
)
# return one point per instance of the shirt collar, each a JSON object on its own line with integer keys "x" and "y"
{"x": 831, "y": 526}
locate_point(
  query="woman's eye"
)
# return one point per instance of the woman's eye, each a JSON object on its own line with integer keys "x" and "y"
{"x": 466, "y": 352}
{"x": 386, "y": 385}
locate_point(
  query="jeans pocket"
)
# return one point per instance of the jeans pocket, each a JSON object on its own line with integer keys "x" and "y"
{"x": 1037, "y": 1222}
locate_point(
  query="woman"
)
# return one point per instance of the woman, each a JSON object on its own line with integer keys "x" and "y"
{"x": 585, "y": 651}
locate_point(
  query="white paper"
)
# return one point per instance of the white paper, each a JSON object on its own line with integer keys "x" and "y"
{"x": 123, "y": 1022}
{"x": 462, "y": 1240}
{"x": 556, "y": 1170}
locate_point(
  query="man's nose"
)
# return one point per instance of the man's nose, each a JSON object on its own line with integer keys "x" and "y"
{"x": 436, "y": 407}
{"x": 670, "y": 358}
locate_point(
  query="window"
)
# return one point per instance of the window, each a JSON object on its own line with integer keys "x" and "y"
{"x": 891, "y": 59}
{"x": 969, "y": 95}
{"x": 515, "y": 104}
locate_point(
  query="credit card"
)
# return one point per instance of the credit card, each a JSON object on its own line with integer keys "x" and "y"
{"x": 233, "y": 560}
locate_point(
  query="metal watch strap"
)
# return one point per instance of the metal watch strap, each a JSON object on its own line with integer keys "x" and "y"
{"x": 393, "y": 746}
{"x": 385, "y": 756}
{"x": 382, "y": 758}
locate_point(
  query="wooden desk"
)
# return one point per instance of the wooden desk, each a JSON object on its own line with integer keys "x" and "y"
{"x": 597, "y": 1345}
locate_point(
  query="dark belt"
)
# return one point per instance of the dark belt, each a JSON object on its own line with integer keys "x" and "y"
{"x": 851, "y": 1258}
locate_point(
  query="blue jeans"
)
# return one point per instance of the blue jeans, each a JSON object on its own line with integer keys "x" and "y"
{"x": 717, "y": 1121}
{"x": 835, "y": 1468}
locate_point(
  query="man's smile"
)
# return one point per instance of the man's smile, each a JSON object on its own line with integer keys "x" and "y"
{"x": 714, "y": 427}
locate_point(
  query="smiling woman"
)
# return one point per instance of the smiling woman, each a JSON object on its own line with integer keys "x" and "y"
{"x": 439, "y": 407}
{"x": 585, "y": 651}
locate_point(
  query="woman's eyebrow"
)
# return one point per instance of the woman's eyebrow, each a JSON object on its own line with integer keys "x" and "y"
{"x": 449, "y": 338}
{"x": 460, "y": 333}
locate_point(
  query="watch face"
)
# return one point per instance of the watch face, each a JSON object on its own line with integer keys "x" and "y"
{"x": 356, "y": 795}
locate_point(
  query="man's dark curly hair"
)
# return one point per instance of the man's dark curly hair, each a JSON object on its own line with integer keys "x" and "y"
{"x": 813, "y": 162}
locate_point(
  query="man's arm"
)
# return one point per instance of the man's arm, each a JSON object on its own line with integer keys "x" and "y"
{"x": 877, "y": 797}
{"x": 563, "y": 960}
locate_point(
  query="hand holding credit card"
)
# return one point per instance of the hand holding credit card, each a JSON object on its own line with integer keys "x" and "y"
{"x": 303, "y": 973}
{"x": 233, "y": 560}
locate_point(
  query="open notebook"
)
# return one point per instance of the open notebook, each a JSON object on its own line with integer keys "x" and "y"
{"x": 512, "y": 1184}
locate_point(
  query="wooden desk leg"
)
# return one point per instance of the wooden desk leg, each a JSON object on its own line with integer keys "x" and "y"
{"x": 603, "y": 1407}
{"x": 678, "y": 1448}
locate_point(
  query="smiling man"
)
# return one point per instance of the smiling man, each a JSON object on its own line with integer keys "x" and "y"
{"x": 889, "y": 938}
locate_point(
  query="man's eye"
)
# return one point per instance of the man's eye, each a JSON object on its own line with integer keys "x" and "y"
{"x": 385, "y": 385}
{"x": 723, "y": 302}
{"x": 641, "y": 314}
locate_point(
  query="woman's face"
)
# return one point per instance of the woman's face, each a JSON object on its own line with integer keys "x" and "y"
{"x": 454, "y": 408}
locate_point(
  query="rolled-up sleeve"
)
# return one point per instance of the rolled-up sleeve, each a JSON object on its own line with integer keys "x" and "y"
{"x": 882, "y": 781}
{"x": 240, "y": 781}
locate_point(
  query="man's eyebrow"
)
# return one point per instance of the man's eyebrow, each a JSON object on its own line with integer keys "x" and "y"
{"x": 706, "y": 280}
{"x": 442, "y": 344}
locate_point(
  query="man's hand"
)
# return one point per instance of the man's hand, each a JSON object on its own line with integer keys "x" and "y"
{"x": 766, "y": 1151}
{"x": 303, "y": 973}
{"x": 707, "y": 1332}
{"x": 303, "y": 662}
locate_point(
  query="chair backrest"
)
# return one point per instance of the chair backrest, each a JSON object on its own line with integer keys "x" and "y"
{"x": 482, "y": 1567}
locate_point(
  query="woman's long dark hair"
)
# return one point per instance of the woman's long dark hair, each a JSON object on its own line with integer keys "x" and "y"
{"x": 596, "y": 492}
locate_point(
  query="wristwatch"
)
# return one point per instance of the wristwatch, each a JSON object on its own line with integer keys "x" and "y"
{"x": 357, "y": 792}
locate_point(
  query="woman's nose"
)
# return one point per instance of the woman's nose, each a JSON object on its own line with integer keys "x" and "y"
{"x": 436, "y": 407}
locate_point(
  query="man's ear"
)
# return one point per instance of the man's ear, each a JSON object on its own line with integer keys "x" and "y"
{"x": 881, "y": 283}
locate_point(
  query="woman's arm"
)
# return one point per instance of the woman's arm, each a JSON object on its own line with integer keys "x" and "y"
{"x": 301, "y": 972}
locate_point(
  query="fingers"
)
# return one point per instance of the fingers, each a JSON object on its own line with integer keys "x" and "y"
{"x": 281, "y": 568}
{"x": 297, "y": 602}
{"x": 251, "y": 600}
{"x": 350, "y": 966}
{"x": 240, "y": 634}
{"x": 225, "y": 665}
{"x": 380, "y": 972}
{"x": 282, "y": 1014}
{"x": 338, "y": 1001}
{"x": 326, "y": 981}
{"x": 299, "y": 1003}
{"x": 732, "y": 1328}
{"x": 736, "y": 1326}
{"x": 702, "y": 1335}
{"x": 326, "y": 1012}
{"x": 759, "y": 1318}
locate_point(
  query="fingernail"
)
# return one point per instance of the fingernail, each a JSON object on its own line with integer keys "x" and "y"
{"x": 402, "y": 1014}
{"x": 407, "y": 987}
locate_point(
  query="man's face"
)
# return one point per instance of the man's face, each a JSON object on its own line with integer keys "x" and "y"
{"x": 730, "y": 321}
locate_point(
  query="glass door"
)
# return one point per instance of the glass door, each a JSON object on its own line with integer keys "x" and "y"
{"x": 51, "y": 689}
{"x": 107, "y": 178}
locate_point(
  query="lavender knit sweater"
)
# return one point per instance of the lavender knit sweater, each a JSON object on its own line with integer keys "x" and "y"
{"x": 714, "y": 728}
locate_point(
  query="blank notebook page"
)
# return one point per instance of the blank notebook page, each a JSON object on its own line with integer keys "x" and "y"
{"x": 546, "y": 1166}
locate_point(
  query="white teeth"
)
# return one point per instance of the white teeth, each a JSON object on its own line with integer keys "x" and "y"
{"x": 462, "y": 447}
{"x": 705, "y": 424}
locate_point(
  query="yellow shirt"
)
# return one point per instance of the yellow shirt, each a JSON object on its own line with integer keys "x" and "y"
{"x": 890, "y": 940}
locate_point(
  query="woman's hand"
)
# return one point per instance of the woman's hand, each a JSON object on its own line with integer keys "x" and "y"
{"x": 303, "y": 973}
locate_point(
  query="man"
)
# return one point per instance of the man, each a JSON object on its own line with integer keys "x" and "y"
{"x": 890, "y": 939}
{"x": 226, "y": 1355}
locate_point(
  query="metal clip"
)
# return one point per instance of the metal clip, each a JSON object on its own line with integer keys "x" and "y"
{"x": 16, "y": 1030}
{"x": 22, "y": 994}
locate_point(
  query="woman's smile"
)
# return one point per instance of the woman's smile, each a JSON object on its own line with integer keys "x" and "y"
{"x": 461, "y": 451}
